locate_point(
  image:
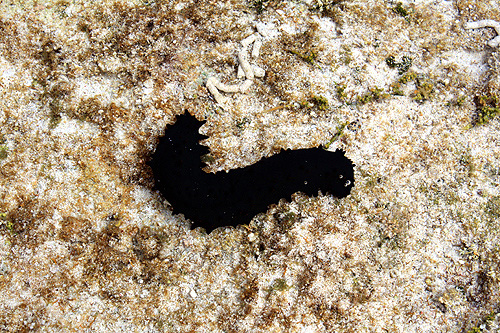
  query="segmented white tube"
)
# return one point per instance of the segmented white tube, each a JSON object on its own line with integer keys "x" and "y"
{"x": 483, "y": 24}
{"x": 247, "y": 68}
{"x": 212, "y": 87}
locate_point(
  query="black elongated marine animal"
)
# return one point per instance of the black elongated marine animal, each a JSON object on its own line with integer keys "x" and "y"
{"x": 213, "y": 200}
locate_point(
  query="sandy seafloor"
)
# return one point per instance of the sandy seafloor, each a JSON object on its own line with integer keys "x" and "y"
{"x": 88, "y": 87}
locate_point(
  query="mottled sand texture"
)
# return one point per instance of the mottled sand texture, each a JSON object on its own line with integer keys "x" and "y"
{"x": 88, "y": 87}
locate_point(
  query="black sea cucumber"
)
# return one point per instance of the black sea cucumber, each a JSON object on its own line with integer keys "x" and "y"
{"x": 213, "y": 200}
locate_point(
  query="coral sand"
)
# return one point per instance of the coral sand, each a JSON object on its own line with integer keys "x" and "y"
{"x": 412, "y": 97}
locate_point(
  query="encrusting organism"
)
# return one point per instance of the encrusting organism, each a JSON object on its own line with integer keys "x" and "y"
{"x": 245, "y": 70}
{"x": 483, "y": 24}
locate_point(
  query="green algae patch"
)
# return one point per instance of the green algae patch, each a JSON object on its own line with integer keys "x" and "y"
{"x": 374, "y": 94}
{"x": 279, "y": 285}
{"x": 402, "y": 66}
{"x": 424, "y": 90}
{"x": 488, "y": 107}
{"x": 3, "y": 152}
{"x": 401, "y": 10}
{"x": 492, "y": 208}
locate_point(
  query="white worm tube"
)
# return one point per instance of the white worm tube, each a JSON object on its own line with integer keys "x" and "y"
{"x": 249, "y": 40}
{"x": 241, "y": 72}
{"x": 256, "y": 48}
{"x": 258, "y": 72}
{"x": 483, "y": 24}
{"x": 261, "y": 29}
{"x": 245, "y": 69}
{"x": 212, "y": 87}
{"x": 494, "y": 42}
{"x": 243, "y": 59}
{"x": 228, "y": 88}
{"x": 245, "y": 86}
